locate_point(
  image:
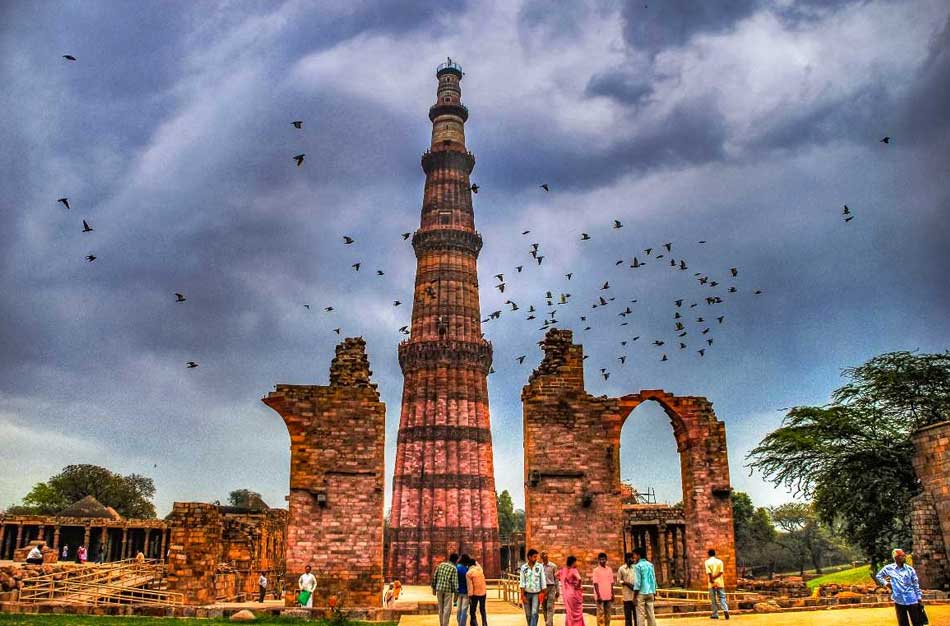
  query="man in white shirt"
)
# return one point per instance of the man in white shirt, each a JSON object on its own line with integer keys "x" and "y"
{"x": 715, "y": 572}
{"x": 308, "y": 582}
{"x": 262, "y": 586}
{"x": 35, "y": 556}
{"x": 627, "y": 577}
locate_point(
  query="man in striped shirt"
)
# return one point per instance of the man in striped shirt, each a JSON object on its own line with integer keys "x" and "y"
{"x": 445, "y": 584}
{"x": 533, "y": 584}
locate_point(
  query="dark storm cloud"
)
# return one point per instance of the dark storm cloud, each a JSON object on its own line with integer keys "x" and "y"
{"x": 926, "y": 108}
{"x": 620, "y": 84}
{"x": 653, "y": 26}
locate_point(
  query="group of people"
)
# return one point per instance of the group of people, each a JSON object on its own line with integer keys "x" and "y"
{"x": 541, "y": 583}
{"x": 35, "y": 555}
{"x": 460, "y": 579}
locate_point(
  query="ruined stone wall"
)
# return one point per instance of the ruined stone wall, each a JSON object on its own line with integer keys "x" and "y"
{"x": 930, "y": 512}
{"x": 194, "y": 551}
{"x": 573, "y": 494}
{"x": 337, "y": 440}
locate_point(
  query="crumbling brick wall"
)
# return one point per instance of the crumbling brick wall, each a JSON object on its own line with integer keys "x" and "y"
{"x": 930, "y": 511}
{"x": 573, "y": 497}
{"x": 194, "y": 551}
{"x": 337, "y": 441}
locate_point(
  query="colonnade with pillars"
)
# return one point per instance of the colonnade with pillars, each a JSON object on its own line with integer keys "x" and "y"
{"x": 119, "y": 540}
{"x": 665, "y": 546}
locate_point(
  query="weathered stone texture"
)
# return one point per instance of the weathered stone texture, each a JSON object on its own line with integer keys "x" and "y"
{"x": 573, "y": 497}
{"x": 216, "y": 552}
{"x": 930, "y": 512}
{"x": 444, "y": 486}
{"x": 337, "y": 442}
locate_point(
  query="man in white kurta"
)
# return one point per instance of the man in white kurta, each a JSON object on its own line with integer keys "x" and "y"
{"x": 308, "y": 582}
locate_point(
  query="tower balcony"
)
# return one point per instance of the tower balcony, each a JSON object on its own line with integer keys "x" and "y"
{"x": 450, "y": 67}
{"x": 458, "y": 110}
{"x": 448, "y": 160}
{"x": 446, "y": 239}
{"x": 415, "y": 355}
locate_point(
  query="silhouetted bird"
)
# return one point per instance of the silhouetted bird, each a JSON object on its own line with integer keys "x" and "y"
{"x": 720, "y": 318}
{"x": 356, "y": 266}
{"x": 648, "y": 251}
{"x": 329, "y": 308}
{"x": 886, "y": 139}
{"x": 306, "y": 306}
{"x": 622, "y": 359}
{"x": 584, "y": 236}
{"x": 299, "y": 159}
{"x": 569, "y": 274}
{"x": 64, "y": 201}
{"x": 757, "y": 292}
{"x": 519, "y": 268}
{"x": 520, "y": 359}
{"x": 191, "y": 365}
{"x": 657, "y": 342}
{"x": 636, "y": 263}
{"x": 380, "y": 273}
{"x": 474, "y": 188}
{"x": 500, "y": 287}
{"x": 544, "y": 186}
{"x": 668, "y": 246}
{"x": 606, "y": 285}
{"x": 664, "y": 358}
{"x": 347, "y": 240}
{"x": 606, "y": 375}
{"x": 701, "y": 351}
{"x": 539, "y": 258}
{"x": 396, "y": 302}
{"x": 69, "y": 57}
{"x": 297, "y": 124}
{"x": 406, "y": 236}
{"x": 90, "y": 257}
{"x": 617, "y": 224}
{"x": 181, "y": 298}
{"x": 86, "y": 228}
{"x": 500, "y": 277}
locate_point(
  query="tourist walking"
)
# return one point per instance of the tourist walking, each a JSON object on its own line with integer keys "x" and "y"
{"x": 603, "y": 578}
{"x": 102, "y": 555}
{"x": 572, "y": 590}
{"x": 644, "y": 587}
{"x": 307, "y": 585}
{"x": 462, "y": 568}
{"x": 477, "y": 592}
{"x": 445, "y": 584}
{"x": 35, "y": 555}
{"x": 626, "y": 577}
{"x": 81, "y": 554}
{"x": 65, "y": 553}
{"x": 533, "y": 585}
{"x": 551, "y": 592}
{"x": 905, "y": 589}
{"x": 261, "y": 587}
{"x": 717, "y": 585}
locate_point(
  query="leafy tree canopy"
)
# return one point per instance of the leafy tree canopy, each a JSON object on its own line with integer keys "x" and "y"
{"x": 510, "y": 520}
{"x": 853, "y": 456}
{"x": 247, "y": 499}
{"x": 131, "y": 496}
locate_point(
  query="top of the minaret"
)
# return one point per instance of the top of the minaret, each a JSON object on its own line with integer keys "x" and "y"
{"x": 449, "y": 66}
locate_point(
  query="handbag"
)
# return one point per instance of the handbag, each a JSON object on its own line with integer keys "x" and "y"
{"x": 303, "y": 598}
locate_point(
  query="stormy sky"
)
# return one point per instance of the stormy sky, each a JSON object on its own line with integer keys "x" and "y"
{"x": 747, "y": 124}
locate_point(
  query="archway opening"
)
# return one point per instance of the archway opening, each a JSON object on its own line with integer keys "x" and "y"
{"x": 652, "y": 492}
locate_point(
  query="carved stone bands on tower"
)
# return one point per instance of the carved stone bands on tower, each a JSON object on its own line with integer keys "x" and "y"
{"x": 444, "y": 485}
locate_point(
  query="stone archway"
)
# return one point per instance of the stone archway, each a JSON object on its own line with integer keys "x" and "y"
{"x": 572, "y": 466}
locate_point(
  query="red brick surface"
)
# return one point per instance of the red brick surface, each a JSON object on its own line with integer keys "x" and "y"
{"x": 444, "y": 486}
{"x": 930, "y": 514}
{"x": 337, "y": 442}
{"x": 573, "y": 497}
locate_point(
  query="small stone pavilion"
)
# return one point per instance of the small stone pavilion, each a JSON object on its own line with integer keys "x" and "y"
{"x": 88, "y": 523}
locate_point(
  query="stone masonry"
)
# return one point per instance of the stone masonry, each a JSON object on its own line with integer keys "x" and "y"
{"x": 444, "y": 484}
{"x": 337, "y": 442}
{"x": 573, "y": 498}
{"x": 930, "y": 510}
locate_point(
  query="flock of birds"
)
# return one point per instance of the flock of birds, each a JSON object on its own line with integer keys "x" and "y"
{"x": 684, "y": 317}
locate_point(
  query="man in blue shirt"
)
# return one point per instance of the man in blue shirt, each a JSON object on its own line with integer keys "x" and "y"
{"x": 462, "y": 567}
{"x": 644, "y": 587}
{"x": 905, "y": 589}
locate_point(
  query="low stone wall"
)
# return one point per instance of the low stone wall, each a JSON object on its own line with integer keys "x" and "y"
{"x": 790, "y": 586}
{"x": 49, "y": 555}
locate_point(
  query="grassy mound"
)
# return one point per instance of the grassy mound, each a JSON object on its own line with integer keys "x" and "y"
{"x": 854, "y": 576}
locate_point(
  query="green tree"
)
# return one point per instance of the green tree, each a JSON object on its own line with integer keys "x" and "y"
{"x": 247, "y": 499}
{"x": 853, "y": 456}
{"x": 507, "y": 522}
{"x": 805, "y": 537}
{"x": 131, "y": 496}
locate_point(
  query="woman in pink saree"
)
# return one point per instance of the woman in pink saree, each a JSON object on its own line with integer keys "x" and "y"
{"x": 572, "y": 593}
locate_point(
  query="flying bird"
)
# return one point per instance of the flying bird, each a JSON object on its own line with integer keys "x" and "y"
{"x": 734, "y": 271}
{"x": 617, "y": 224}
{"x": 181, "y": 298}
{"x": 306, "y": 306}
{"x": 336, "y": 330}
{"x": 500, "y": 287}
{"x": 90, "y": 257}
{"x": 622, "y": 359}
{"x": 297, "y": 123}
{"x": 191, "y": 365}
{"x": 380, "y": 273}
{"x": 701, "y": 351}
{"x": 664, "y": 358}
{"x": 668, "y": 246}
{"x": 69, "y": 57}
{"x": 86, "y": 228}
{"x": 64, "y": 201}
{"x": 474, "y": 188}
{"x": 886, "y": 139}
{"x": 299, "y": 159}
{"x": 540, "y": 258}
{"x": 406, "y": 236}
{"x": 520, "y": 359}
{"x": 519, "y": 268}
{"x": 525, "y": 232}
{"x": 606, "y": 285}
{"x": 347, "y": 240}
{"x": 569, "y": 274}
{"x": 500, "y": 277}
{"x": 648, "y": 251}
{"x": 544, "y": 186}
{"x": 584, "y": 236}
{"x": 356, "y": 266}
{"x": 328, "y": 309}
{"x": 396, "y": 302}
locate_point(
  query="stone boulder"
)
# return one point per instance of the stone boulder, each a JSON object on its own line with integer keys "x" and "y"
{"x": 767, "y": 607}
{"x": 243, "y": 616}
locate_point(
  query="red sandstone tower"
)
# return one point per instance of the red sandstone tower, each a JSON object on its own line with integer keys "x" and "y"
{"x": 444, "y": 484}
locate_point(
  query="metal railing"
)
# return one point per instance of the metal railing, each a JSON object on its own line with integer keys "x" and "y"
{"x": 120, "y": 582}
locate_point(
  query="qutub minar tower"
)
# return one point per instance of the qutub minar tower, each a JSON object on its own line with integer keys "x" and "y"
{"x": 444, "y": 484}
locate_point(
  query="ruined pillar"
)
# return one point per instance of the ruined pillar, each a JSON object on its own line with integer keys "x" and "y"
{"x": 337, "y": 440}
{"x": 85, "y": 537}
{"x": 19, "y": 537}
{"x": 196, "y": 549}
{"x": 104, "y": 544}
{"x": 122, "y": 549}
{"x": 41, "y": 535}
{"x": 930, "y": 510}
{"x": 573, "y": 502}
{"x": 148, "y": 532}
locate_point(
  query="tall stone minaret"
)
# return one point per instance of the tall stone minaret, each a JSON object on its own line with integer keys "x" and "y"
{"x": 444, "y": 484}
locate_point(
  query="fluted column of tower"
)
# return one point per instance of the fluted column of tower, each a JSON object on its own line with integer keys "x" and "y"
{"x": 444, "y": 483}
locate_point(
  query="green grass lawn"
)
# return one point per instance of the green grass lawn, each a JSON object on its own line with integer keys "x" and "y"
{"x": 853, "y": 576}
{"x": 8, "y": 619}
